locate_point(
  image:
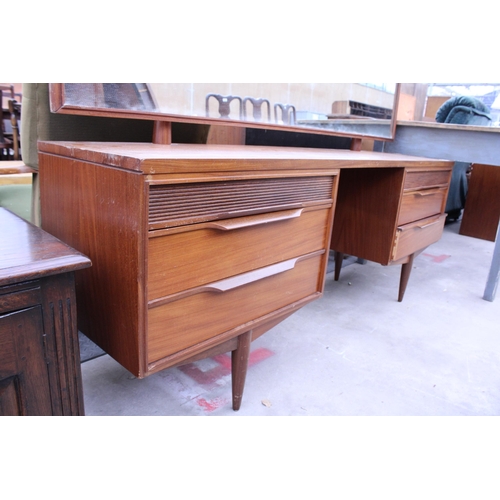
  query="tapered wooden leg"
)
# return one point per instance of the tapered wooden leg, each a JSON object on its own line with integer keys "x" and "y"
{"x": 405, "y": 276}
{"x": 239, "y": 366}
{"x": 339, "y": 257}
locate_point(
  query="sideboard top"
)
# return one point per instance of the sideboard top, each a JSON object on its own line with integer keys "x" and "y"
{"x": 158, "y": 158}
{"x": 27, "y": 252}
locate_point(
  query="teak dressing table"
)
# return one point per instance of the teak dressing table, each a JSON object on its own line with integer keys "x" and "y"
{"x": 195, "y": 249}
{"x": 198, "y": 249}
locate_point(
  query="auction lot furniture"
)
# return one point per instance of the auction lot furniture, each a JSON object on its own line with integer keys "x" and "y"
{"x": 200, "y": 249}
{"x": 196, "y": 250}
{"x": 39, "y": 353}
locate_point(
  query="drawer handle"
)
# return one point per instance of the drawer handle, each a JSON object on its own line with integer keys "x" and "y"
{"x": 429, "y": 192}
{"x": 246, "y": 278}
{"x": 254, "y": 220}
{"x": 228, "y": 284}
{"x": 428, "y": 225}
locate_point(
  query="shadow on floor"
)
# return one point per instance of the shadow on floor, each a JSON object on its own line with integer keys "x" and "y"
{"x": 88, "y": 350}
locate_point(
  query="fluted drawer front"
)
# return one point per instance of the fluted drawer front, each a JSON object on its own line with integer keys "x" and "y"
{"x": 212, "y": 252}
{"x": 202, "y": 314}
{"x": 178, "y": 204}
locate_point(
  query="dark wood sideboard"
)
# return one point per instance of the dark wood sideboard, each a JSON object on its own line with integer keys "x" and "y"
{"x": 198, "y": 249}
{"x": 39, "y": 353}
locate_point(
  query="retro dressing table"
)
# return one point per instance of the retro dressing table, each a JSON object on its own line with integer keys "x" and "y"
{"x": 199, "y": 249}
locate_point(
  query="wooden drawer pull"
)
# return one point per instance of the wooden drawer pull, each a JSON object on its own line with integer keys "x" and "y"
{"x": 254, "y": 220}
{"x": 428, "y": 192}
{"x": 428, "y": 225}
{"x": 228, "y": 284}
{"x": 246, "y": 278}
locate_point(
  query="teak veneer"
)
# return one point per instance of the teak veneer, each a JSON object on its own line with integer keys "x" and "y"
{"x": 390, "y": 216}
{"x": 481, "y": 215}
{"x": 196, "y": 249}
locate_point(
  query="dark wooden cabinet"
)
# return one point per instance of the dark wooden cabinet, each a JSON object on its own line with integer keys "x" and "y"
{"x": 24, "y": 386}
{"x": 39, "y": 352}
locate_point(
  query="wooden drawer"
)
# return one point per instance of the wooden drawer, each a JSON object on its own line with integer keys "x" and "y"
{"x": 411, "y": 238}
{"x": 19, "y": 296}
{"x": 175, "y": 205}
{"x": 420, "y": 204}
{"x": 225, "y": 248}
{"x": 418, "y": 180}
{"x": 225, "y": 305}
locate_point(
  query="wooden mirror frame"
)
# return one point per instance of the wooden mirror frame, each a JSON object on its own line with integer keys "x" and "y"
{"x": 59, "y": 104}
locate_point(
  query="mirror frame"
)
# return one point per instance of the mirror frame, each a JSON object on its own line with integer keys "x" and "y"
{"x": 58, "y": 104}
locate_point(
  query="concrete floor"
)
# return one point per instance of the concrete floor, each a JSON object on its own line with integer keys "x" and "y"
{"x": 354, "y": 352}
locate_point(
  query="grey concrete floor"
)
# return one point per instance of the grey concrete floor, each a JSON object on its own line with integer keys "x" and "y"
{"x": 354, "y": 352}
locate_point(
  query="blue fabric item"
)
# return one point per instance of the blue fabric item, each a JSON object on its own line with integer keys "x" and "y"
{"x": 458, "y": 190}
{"x": 464, "y": 110}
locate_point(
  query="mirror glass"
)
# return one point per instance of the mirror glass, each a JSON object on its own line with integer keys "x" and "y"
{"x": 451, "y": 104}
{"x": 351, "y": 109}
